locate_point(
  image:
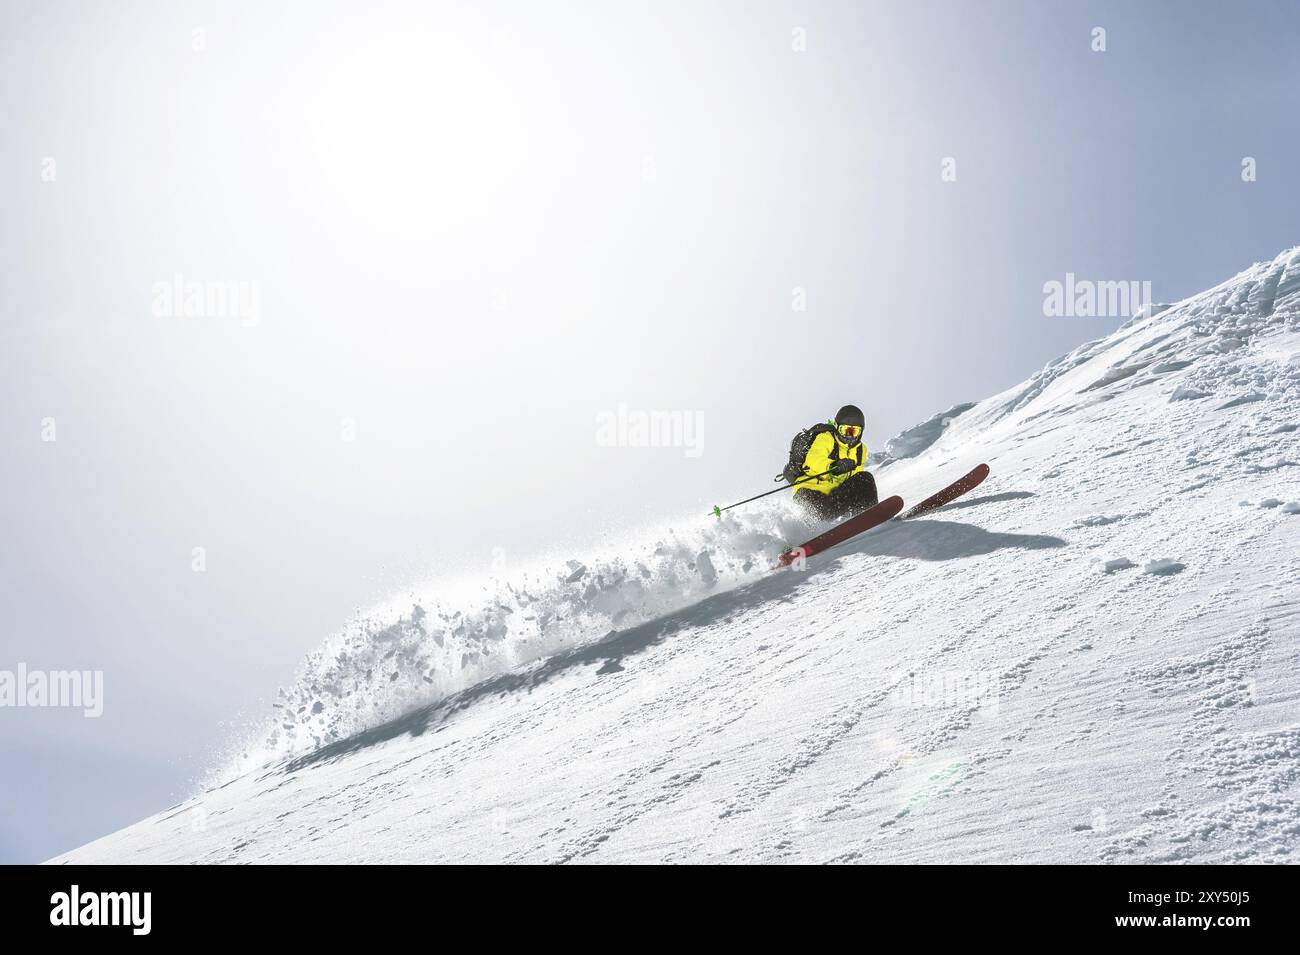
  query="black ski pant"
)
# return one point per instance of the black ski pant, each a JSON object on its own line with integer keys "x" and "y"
{"x": 855, "y": 494}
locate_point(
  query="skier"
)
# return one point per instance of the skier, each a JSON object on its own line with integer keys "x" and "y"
{"x": 848, "y": 488}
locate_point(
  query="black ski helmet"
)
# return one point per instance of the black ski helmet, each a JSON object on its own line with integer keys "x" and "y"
{"x": 850, "y": 414}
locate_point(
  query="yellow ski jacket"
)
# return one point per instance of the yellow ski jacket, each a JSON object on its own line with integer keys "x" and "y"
{"x": 822, "y": 454}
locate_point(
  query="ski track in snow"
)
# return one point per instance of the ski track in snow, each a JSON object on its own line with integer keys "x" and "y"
{"x": 1122, "y": 591}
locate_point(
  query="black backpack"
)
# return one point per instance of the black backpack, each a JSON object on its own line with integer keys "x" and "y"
{"x": 794, "y": 468}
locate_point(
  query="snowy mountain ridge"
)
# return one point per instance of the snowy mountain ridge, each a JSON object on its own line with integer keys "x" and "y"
{"x": 1092, "y": 658}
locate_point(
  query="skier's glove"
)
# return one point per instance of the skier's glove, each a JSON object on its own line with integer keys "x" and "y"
{"x": 843, "y": 466}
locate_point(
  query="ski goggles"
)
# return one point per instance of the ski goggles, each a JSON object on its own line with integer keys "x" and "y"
{"x": 850, "y": 431}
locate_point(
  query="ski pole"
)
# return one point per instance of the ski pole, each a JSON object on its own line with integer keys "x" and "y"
{"x": 717, "y": 511}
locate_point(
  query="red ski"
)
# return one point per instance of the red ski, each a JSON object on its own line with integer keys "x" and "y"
{"x": 882, "y": 512}
{"x": 843, "y": 531}
{"x": 953, "y": 491}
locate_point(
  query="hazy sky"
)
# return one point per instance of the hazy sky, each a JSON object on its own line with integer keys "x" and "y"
{"x": 456, "y": 234}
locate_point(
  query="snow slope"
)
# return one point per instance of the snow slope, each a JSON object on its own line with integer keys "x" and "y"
{"x": 1091, "y": 658}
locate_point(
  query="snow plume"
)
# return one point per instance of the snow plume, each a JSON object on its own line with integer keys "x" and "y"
{"x": 418, "y": 649}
